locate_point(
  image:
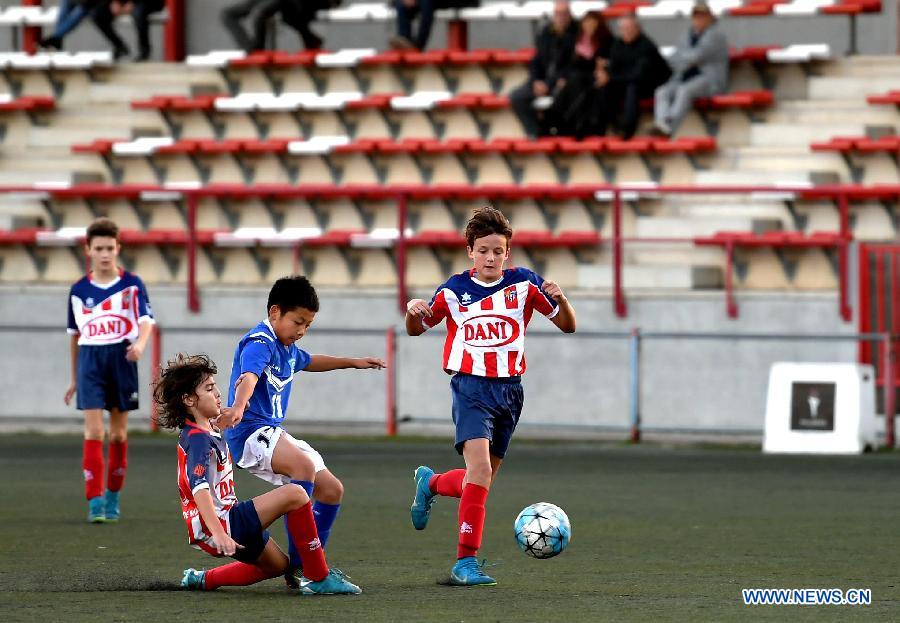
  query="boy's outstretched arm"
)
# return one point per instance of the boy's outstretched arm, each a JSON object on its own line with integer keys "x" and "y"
{"x": 327, "y": 363}
{"x": 243, "y": 390}
{"x": 416, "y": 309}
{"x": 565, "y": 319}
{"x": 73, "y": 351}
{"x": 225, "y": 545}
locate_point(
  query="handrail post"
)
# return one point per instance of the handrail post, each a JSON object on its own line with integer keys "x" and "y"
{"x": 890, "y": 395}
{"x": 193, "y": 296}
{"x": 731, "y": 307}
{"x": 391, "y": 380}
{"x": 621, "y": 308}
{"x": 402, "y": 217}
{"x": 155, "y": 367}
{"x": 634, "y": 361}
{"x": 843, "y": 259}
{"x": 174, "y": 48}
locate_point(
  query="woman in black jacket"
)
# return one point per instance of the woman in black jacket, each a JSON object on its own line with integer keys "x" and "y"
{"x": 592, "y": 47}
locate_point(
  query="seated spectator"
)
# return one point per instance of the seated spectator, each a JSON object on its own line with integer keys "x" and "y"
{"x": 592, "y": 47}
{"x": 635, "y": 70}
{"x": 140, "y": 11}
{"x": 700, "y": 69}
{"x": 554, "y": 47}
{"x": 71, "y": 12}
{"x": 298, "y": 14}
{"x": 407, "y": 10}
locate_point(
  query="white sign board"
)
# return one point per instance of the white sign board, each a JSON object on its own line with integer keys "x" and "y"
{"x": 820, "y": 408}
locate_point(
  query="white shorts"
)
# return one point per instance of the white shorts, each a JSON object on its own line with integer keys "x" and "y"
{"x": 259, "y": 448}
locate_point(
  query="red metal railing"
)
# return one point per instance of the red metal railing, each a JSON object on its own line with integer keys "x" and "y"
{"x": 842, "y": 195}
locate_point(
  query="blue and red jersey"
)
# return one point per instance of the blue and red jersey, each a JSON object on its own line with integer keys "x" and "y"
{"x": 109, "y": 313}
{"x": 486, "y": 322}
{"x": 204, "y": 463}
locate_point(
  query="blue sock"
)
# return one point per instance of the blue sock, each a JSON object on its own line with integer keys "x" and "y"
{"x": 325, "y": 514}
{"x": 293, "y": 554}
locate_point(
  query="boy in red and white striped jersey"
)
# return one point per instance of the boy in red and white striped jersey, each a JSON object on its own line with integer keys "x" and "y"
{"x": 487, "y": 310}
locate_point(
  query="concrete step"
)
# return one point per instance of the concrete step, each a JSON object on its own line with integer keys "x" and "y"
{"x": 800, "y": 135}
{"x": 837, "y": 87}
{"x": 753, "y": 178}
{"x": 705, "y": 225}
{"x": 599, "y": 276}
{"x": 833, "y": 112}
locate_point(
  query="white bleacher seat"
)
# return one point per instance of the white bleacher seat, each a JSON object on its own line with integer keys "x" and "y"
{"x": 802, "y": 7}
{"x": 317, "y": 145}
{"x": 800, "y": 53}
{"x": 360, "y": 12}
{"x": 421, "y": 100}
{"x": 343, "y": 58}
{"x": 215, "y": 58}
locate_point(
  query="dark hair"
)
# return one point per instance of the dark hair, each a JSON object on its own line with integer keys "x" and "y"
{"x": 486, "y": 221}
{"x": 102, "y": 226}
{"x": 181, "y": 377}
{"x": 602, "y": 37}
{"x": 289, "y": 293}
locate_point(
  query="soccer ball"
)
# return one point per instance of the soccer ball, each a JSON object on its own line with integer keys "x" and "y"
{"x": 542, "y": 530}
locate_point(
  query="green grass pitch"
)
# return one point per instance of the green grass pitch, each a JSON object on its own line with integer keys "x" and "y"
{"x": 658, "y": 534}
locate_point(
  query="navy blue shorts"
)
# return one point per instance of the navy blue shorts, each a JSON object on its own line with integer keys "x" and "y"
{"x": 247, "y": 531}
{"x": 486, "y": 408}
{"x": 106, "y": 380}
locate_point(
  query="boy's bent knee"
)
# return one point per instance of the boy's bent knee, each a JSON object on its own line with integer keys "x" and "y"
{"x": 296, "y": 496}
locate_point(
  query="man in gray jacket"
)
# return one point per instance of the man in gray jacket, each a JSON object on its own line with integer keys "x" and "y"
{"x": 699, "y": 69}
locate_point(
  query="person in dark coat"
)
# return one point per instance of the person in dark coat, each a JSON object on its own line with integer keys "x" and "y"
{"x": 634, "y": 71}
{"x": 408, "y": 10}
{"x": 554, "y": 47}
{"x": 298, "y": 14}
{"x": 140, "y": 10}
{"x": 592, "y": 48}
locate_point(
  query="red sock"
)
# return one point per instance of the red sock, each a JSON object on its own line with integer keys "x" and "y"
{"x": 449, "y": 483}
{"x": 118, "y": 465}
{"x": 471, "y": 519}
{"x": 234, "y": 574}
{"x": 92, "y": 463}
{"x": 302, "y": 526}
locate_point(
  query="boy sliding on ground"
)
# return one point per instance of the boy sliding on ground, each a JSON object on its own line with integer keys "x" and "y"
{"x": 487, "y": 310}
{"x": 265, "y": 362}
{"x": 217, "y": 522}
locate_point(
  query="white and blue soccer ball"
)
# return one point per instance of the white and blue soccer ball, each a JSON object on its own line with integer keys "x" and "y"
{"x": 543, "y": 530}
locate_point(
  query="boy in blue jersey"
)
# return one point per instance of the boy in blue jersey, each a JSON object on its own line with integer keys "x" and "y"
{"x": 265, "y": 362}
{"x": 487, "y": 310}
{"x": 217, "y": 522}
{"x": 110, "y": 321}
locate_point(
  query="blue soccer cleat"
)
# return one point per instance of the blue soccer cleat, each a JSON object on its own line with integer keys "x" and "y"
{"x": 194, "y": 580}
{"x": 335, "y": 583}
{"x": 467, "y": 572}
{"x": 420, "y": 510}
{"x": 111, "y": 500}
{"x": 97, "y": 509}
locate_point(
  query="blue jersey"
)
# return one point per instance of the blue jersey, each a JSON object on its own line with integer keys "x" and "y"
{"x": 275, "y": 364}
{"x": 109, "y": 313}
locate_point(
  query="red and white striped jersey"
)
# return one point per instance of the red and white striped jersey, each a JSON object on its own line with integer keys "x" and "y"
{"x": 108, "y": 313}
{"x": 486, "y": 322}
{"x": 204, "y": 463}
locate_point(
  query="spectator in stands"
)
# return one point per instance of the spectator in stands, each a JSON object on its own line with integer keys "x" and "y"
{"x": 407, "y": 10}
{"x": 298, "y": 14}
{"x": 71, "y": 12}
{"x": 635, "y": 70}
{"x": 565, "y": 117}
{"x": 140, "y": 11}
{"x": 554, "y": 47}
{"x": 700, "y": 69}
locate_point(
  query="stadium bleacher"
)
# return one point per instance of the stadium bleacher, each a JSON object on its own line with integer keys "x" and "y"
{"x": 353, "y": 129}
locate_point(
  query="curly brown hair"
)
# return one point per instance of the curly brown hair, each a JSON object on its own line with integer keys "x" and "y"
{"x": 180, "y": 378}
{"x": 486, "y": 221}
